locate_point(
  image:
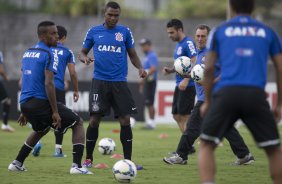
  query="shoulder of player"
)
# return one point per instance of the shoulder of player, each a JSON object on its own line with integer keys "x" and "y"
{"x": 122, "y": 27}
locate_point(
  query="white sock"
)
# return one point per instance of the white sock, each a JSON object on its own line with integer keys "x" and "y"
{"x": 58, "y": 146}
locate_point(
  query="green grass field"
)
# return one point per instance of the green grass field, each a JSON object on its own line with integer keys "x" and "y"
{"x": 148, "y": 151}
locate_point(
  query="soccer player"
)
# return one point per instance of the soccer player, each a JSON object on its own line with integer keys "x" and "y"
{"x": 111, "y": 43}
{"x": 66, "y": 59}
{"x": 148, "y": 84}
{"x": 184, "y": 93}
{"x": 4, "y": 99}
{"x": 193, "y": 127}
{"x": 241, "y": 47}
{"x": 38, "y": 100}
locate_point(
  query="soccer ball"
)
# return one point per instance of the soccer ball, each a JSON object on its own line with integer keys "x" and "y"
{"x": 124, "y": 171}
{"x": 106, "y": 146}
{"x": 132, "y": 122}
{"x": 182, "y": 65}
{"x": 197, "y": 73}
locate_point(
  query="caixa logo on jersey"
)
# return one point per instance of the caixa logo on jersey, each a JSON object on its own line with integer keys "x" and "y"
{"x": 109, "y": 48}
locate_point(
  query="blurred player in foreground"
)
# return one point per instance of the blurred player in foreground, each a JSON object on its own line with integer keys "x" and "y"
{"x": 241, "y": 47}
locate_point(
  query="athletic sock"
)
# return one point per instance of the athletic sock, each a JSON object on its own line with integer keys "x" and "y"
{"x": 77, "y": 154}
{"x": 151, "y": 122}
{"x": 126, "y": 141}
{"x": 5, "y": 114}
{"x": 91, "y": 138}
{"x": 59, "y": 138}
{"x": 24, "y": 152}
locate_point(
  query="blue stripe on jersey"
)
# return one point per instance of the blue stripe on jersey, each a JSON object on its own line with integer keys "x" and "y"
{"x": 185, "y": 47}
{"x": 34, "y": 63}
{"x": 110, "y": 51}
{"x": 243, "y": 46}
{"x": 65, "y": 57}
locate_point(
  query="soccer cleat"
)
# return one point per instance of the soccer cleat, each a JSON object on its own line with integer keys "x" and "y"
{"x": 7, "y": 128}
{"x": 174, "y": 159}
{"x": 36, "y": 149}
{"x": 76, "y": 170}
{"x": 59, "y": 153}
{"x": 247, "y": 160}
{"x": 87, "y": 163}
{"x": 15, "y": 167}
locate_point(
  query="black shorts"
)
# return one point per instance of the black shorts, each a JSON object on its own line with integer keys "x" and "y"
{"x": 246, "y": 103}
{"x": 105, "y": 95}
{"x": 149, "y": 92}
{"x": 183, "y": 101}
{"x": 61, "y": 96}
{"x": 3, "y": 93}
{"x": 39, "y": 114}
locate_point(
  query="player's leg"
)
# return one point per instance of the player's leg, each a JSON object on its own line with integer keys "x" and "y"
{"x": 150, "y": 89}
{"x": 124, "y": 105}
{"x": 220, "y": 117}
{"x": 188, "y": 138}
{"x": 6, "y": 103}
{"x": 92, "y": 134}
{"x": 98, "y": 106}
{"x": 239, "y": 147}
{"x": 61, "y": 98}
{"x": 33, "y": 138}
{"x": 37, "y": 112}
{"x": 274, "y": 155}
{"x": 261, "y": 123}
{"x": 73, "y": 121}
{"x": 126, "y": 135}
{"x": 186, "y": 101}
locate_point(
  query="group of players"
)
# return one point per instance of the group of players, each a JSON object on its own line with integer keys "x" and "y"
{"x": 235, "y": 56}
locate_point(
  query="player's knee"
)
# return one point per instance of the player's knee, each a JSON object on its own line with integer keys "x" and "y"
{"x": 124, "y": 120}
{"x": 94, "y": 121}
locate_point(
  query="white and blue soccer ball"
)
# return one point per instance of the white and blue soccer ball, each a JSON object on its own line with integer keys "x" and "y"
{"x": 182, "y": 65}
{"x": 124, "y": 171}
{"x": 197, "y": 73}
{"x": 106, "y": 146}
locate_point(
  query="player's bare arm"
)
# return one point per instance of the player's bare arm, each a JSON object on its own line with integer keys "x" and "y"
{"x": 168, "y": 70}
{"x": 83, "y": 56}
{"x": 208, "y": 80}
{"x": 51, "y": 94}
{"x": 277, "y": 60}
{"x": 136, "y": 62}
{"x": 73, "y": 76}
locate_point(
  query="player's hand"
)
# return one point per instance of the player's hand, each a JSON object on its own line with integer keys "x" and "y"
{"x": 22, "y": 120}
{"x": 56, "y": 120}
{"x": 88, "y": 60}
{"x": 277, "y": 113}
{"x": 204, "y": 108}
{"x": 183, "y": 84}
{"x": 167, "y": 70}
{"x": 142, "y": 73}
{"x": 75, "y": 96}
